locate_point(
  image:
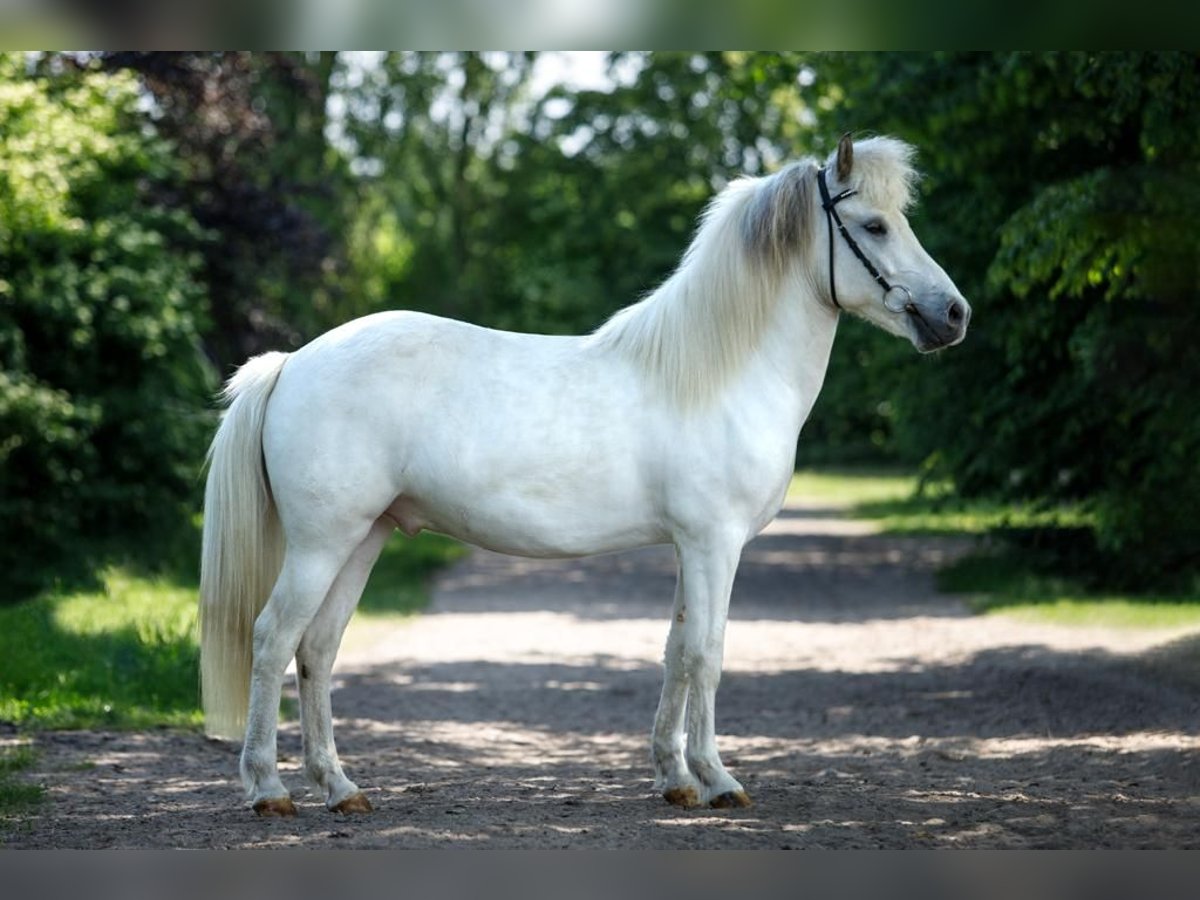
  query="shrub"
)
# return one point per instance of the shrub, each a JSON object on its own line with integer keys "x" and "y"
{"x": 102, "y": 384}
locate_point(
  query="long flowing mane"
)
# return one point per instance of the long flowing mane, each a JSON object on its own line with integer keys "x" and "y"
{"x": 707, "y": 318}
{"x": 702, "y": 323}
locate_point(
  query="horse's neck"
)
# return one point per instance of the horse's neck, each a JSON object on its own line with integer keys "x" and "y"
{"x": 789, "y": 367}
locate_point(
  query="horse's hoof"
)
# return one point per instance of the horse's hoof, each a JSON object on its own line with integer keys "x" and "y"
{"x": 730, "y": 800}
{"x": 682, "y": 796}
{"x": 355, "y": 803}
{"x": 283, "y": 807}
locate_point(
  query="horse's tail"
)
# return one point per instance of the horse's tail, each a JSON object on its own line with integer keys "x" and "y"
{"x": 243, "y": 547}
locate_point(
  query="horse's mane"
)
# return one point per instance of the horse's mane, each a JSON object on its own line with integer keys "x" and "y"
{"x": 708, "y": 317}
{"x": 884, "y": 174}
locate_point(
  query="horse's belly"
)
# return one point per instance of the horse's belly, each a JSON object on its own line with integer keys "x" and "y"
{"x": 530, "y": 525}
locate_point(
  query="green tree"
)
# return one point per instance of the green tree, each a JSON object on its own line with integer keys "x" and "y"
{"x": 429, "y": 136}
{"x": 255, "y": 170}
{"x": 611, "y": 182}
{"x": 548, "y": 213}
{"x": 1060, "y": 195}
{"x": 102, "y": 383}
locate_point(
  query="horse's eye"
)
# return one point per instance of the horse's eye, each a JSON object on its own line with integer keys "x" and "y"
{"x": 876, "y": 228}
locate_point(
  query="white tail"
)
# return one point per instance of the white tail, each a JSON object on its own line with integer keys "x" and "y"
{"x": 243, "y": 547}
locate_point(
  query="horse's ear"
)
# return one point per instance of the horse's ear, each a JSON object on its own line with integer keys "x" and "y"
{"x": 845, "y": 157}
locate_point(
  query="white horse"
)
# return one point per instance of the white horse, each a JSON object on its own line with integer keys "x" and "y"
{"x": 675, "y": 422}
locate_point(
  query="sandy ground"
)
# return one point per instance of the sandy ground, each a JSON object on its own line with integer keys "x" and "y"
{"x": 859, "y": 707}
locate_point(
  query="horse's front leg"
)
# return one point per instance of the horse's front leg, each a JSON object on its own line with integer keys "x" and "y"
{"x": 695, "y": 649}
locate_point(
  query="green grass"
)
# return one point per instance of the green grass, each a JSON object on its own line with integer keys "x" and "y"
{"x": 942, "y": 513}
{"x": 397, "y": 585}
{"x": 999, "y": 582}
{"x": 997, "y": 579}
{"x": 902, "y": 503}
{"x": 851, "y": 487}
{"x": 17, "y": 797}
{"x": 124, "y": 655}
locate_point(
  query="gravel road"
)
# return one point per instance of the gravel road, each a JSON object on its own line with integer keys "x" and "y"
{"x": 859, "y": 707}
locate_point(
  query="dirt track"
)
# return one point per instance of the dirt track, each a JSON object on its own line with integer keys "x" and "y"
{"x": 859, "y": 708}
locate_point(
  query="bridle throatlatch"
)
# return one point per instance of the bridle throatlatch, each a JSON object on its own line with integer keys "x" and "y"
{"x": 905, "y": 302}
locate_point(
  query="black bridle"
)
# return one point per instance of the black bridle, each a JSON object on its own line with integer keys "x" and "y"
{"x": 831, "y": 218}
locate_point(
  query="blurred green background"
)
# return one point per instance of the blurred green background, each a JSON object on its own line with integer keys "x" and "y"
{"x": 164, "y": 216}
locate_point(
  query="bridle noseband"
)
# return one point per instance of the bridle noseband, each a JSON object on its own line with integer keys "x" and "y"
{"x": 905, "y": 303}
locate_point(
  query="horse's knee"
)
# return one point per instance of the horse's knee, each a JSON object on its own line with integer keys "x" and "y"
{"x": 704, "y": 668}
{"x": 273, "y": 647}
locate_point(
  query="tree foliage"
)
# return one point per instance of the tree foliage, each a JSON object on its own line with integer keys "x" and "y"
{"x": 102, "y": 385}
{"x": 1061, "y": 195}
{"x": 548, "y": 213}
{"x": 151, "y": 203}
{"x": 256, "y": 172}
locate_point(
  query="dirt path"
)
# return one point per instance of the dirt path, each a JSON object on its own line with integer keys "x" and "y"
{"x": 859, "y": 707}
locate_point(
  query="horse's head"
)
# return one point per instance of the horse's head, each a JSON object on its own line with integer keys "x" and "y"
{"x": 873, "y": 264}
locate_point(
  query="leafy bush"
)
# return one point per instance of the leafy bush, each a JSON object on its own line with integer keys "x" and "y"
{"x": 102, "y": 384}
{"x": 1060, "y": 194}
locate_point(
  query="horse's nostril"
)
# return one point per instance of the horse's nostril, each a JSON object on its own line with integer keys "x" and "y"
{"x": 955, "y": 312}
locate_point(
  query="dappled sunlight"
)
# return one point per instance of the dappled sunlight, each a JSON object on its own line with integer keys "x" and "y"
{"x": 819, "y": 522}
{"x": 841, "y": 490}
{"x": 513, "y": 758}
{"x": 921, "y": 642}
{"x": 453, "y": 687}
{"x": 1136, "y": 742}
{"x": 853, "y": 716}
{"x": 119, "y": 656}
{"x": 528, "y": 635}
{"x": 446, "y": 745}
{"x": 859, "y": 708}
{"x": 405, "y": 833}
{"x": 575, "y": 686}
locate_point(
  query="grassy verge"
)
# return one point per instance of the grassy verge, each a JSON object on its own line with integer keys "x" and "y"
{"x": 1000, "y": 582}
{"x": 851, "y": 488}
{"x": 998, "y": 578}
{"x": 398, "y": 581}
{"x": 121, "y": 656}
{"x": 124, "y": 655}
{"x": 17, "y": 797}
{"x": 903, "y": 504}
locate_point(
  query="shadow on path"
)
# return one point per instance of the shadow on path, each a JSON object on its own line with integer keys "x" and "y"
{"x": 859, "y": 707}
{"x": 787, "y": 574}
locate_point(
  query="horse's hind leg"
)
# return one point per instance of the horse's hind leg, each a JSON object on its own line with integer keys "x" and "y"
{"x": 671, "y": 773}
{"x": 309, "y": 571}
{"x": 314, "y": 665}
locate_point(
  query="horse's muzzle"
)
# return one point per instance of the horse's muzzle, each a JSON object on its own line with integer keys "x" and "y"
{"x": 939, "y": 321}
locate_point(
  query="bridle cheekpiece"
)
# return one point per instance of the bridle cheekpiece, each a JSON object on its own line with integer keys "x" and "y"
{"x": 905, "y": 303}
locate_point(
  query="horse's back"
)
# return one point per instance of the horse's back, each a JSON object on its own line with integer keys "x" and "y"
{"x": 524, "y": 443}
